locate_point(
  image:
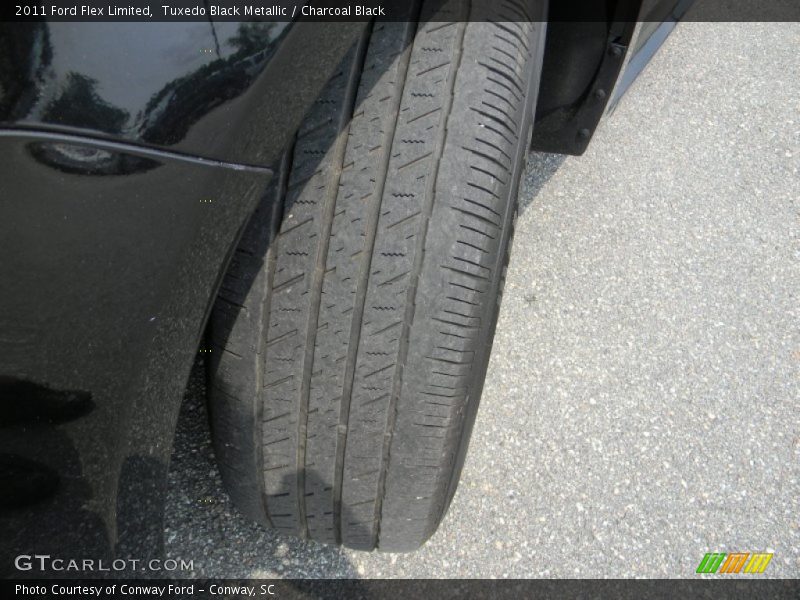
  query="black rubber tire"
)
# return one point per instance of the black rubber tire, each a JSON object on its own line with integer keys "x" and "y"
{"x": 352, "y": 332}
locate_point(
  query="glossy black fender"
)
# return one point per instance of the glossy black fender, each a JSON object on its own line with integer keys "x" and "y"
{"x": 130, "y": 161}
{"x": 229, "y": 91}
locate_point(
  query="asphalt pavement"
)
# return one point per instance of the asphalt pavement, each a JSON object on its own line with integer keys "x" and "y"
{"x": 642, "y": 405}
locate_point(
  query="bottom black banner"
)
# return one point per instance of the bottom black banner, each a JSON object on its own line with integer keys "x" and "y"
{"x": 439, "y": 589}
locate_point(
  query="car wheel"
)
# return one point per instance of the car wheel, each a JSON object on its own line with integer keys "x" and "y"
{"x": 352, "y": 332}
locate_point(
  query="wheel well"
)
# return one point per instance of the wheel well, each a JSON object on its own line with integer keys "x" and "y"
{"x": 583, "y": 58}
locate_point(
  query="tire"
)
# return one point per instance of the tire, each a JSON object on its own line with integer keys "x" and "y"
{"x": 352, "y": 332}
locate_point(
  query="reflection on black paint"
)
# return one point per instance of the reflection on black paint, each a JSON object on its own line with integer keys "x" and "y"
{"x": 170, "y": 113}
{"x": 32, "y": 417}
{"x": 24, "y": 48}
{"x": 53, "y": 74}
{"x": 25, "y": 405}
{"x": 79, "y": 105}
{"x": 80, "y": 159}
{"x": 24, "y": 482}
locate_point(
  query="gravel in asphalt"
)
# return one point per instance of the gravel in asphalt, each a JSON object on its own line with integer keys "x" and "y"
{"x": 642, "y": 405}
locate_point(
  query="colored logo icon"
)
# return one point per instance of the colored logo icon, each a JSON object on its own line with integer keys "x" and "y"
{"x": 737, "y": 562}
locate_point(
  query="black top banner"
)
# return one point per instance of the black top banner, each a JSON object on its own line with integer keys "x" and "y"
{"x": 390, "y": 10}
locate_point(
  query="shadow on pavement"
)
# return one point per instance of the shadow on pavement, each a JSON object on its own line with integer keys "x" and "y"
{"x": 539, "y": 169}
